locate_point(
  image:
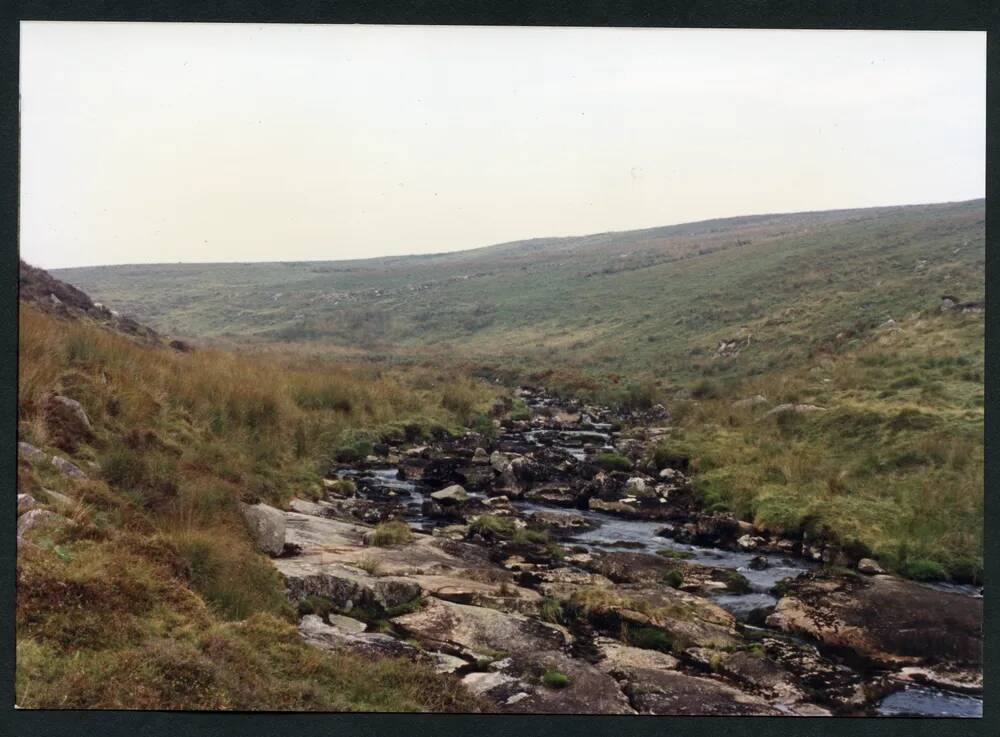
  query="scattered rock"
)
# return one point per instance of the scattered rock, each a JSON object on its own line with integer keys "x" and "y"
{"x": 66, "y": 468}
{"x": 29, "y": 451}
{"x": 267, "y": 527}
{"x": 67, "y": 422}
{"x": 756, "y": 400}
{"x": 319, "y": 634}
{"x": 869, "y": 567}
{"x": 25, "y": 503}
{"x": 453, "y": 494}
{"x": 35, "y": 520}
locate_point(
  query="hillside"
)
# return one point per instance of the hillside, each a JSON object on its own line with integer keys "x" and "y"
{"x": 657, "y": 301}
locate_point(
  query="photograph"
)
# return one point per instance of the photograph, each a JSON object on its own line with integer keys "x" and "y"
{"x": 500, "y": 370}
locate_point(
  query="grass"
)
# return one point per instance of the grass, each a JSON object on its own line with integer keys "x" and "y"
{"x": 892, "y": 468}
{"x": 156, "y": 598}
{"x": 393, "y": 532}
{"x": 613, "y": 461}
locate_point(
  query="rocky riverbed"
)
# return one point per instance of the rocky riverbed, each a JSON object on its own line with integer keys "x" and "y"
{"x": 547, "y": 583}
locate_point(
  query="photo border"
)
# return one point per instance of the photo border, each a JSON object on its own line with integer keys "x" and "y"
{"x": 846, "y": 14}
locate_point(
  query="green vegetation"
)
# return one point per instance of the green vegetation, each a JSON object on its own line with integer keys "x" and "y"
{"x": 893, "y": 465}
{"x": 613, "y": 461}
{"x": 155, "y": 598}
{"x": 555, "y": 679}
{"x": 649, "y": 638}
{"x": 393, "y": 532}
{"x": 673, "y": 578}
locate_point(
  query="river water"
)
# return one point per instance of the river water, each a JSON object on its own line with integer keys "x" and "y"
{"x": 614, "y": 533}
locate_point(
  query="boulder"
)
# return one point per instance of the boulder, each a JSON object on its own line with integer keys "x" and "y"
{"x": 499, "y": 461}
{"x": 66, "y": 468}
{"x": 337, "y": 637}
{"x": 481, "y": 457}
{"x": 450, "y": 495}
{"x": 29, "y": 451}
{"x": 517, "y": 684}
{"x": 344, "y": 586}
{"x": 869, "y": 567}
{"x": 750, "y": 402}
{"x": 25, "y": 503}
{"x": 267, "y": 527}
{"x": 67, "y": 422}
{"x": 35, "y": 520}
{"x": 883, "y": 619}
{"x": 462, "y": 629}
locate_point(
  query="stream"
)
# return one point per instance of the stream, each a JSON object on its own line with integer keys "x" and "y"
{"x": 611, "y": 533}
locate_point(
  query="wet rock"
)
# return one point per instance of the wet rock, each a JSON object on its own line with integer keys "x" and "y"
{"x": 828, "y": 682}
{"x": 267, "y": 527}
{"x": 560, "y": 523}
{"x": 750, "y": 542}
{"x": 450, "y": 495}
{"x": 498, "y": 461}
{"x": 337, "y": 637}
{"x": 66, "y": 468}
{"x": 29, "y": 451}
{"x": 869, "y": 567}
{"x": 759, "y": 563}
{"x": 458, "y": 628}
{"x": 554, "y": 494}
{"x": 480, "y": 457}
{"x": 886, "y": 620}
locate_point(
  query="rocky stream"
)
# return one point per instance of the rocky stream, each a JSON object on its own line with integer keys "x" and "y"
{"x": 549, "y": 584}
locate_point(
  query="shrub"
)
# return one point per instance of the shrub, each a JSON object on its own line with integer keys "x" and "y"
{"x": 551, "y": 611}
{"x": 649, "y": 638}
{"x": 613, "y": 461}
{"x": 924, "y": 570}
{"x": 394, "y": 532}
{"x": 674, "y": 579}
{"x": 555, "y": 679}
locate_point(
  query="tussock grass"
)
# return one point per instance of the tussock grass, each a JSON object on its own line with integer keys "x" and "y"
{"x": 156, "y": 598}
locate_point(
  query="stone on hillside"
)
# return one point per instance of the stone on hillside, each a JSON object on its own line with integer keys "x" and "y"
{"x": 29, "y": 451}
{"x": 25, "y": 503}
{"x": 67, "y": 422}
{"x": 40, "y": 519}
{"x": 58, "y": 500}
{"x": 267, "y": 527}
{"x": 453, "y": 494}
{"x": 799, "y": 409}
{"x": 66, "y": 468}
{"x": 750, "y": 402}
{"x": 869, "y": 567}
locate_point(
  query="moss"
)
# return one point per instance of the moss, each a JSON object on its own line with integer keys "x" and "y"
{"x": 674, "y": 579}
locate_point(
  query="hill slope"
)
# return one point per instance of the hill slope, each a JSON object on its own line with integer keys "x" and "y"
{"x": 659, "y": 300}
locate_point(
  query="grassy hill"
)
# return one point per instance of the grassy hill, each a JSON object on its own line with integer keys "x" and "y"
{"x": 839, "y": 309}
{"x": 654, "y": 301}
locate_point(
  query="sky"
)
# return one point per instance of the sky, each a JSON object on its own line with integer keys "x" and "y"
{"x": 146, "y": 143}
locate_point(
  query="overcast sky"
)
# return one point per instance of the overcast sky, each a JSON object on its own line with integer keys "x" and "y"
{"x": 182, "y": 142}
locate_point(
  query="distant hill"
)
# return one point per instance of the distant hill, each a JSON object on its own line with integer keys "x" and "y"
{"x": 735, "y": 296}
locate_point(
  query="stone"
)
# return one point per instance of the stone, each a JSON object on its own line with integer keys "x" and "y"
{"x": 66, "y": 468}
{"x": 463, "y": 629}
{"x": 499, "y": 461}
{"x": 450, "y": 495}
{"x": 750, "y": 402}
{"x": 515, "y": 685}
{"x": 480, "y": 457}
{"x": 35, "y": 520}
{"x": 325, "y": 636}
{"x": 869, "y": 567}
{"x": 885, "y": 620}
{"x": 25, "y": 503}
{"x": 67, "y": 422}
{"x": 29, "y": 451}
{"x": 343, "y": 585}
{"x": 759, "y": 563}
{"x": 267, "y": 527}
{"x": 749, "y": 542}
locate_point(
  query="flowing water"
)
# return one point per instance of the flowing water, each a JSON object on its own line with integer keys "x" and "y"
{"x": 614, "y": 533}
